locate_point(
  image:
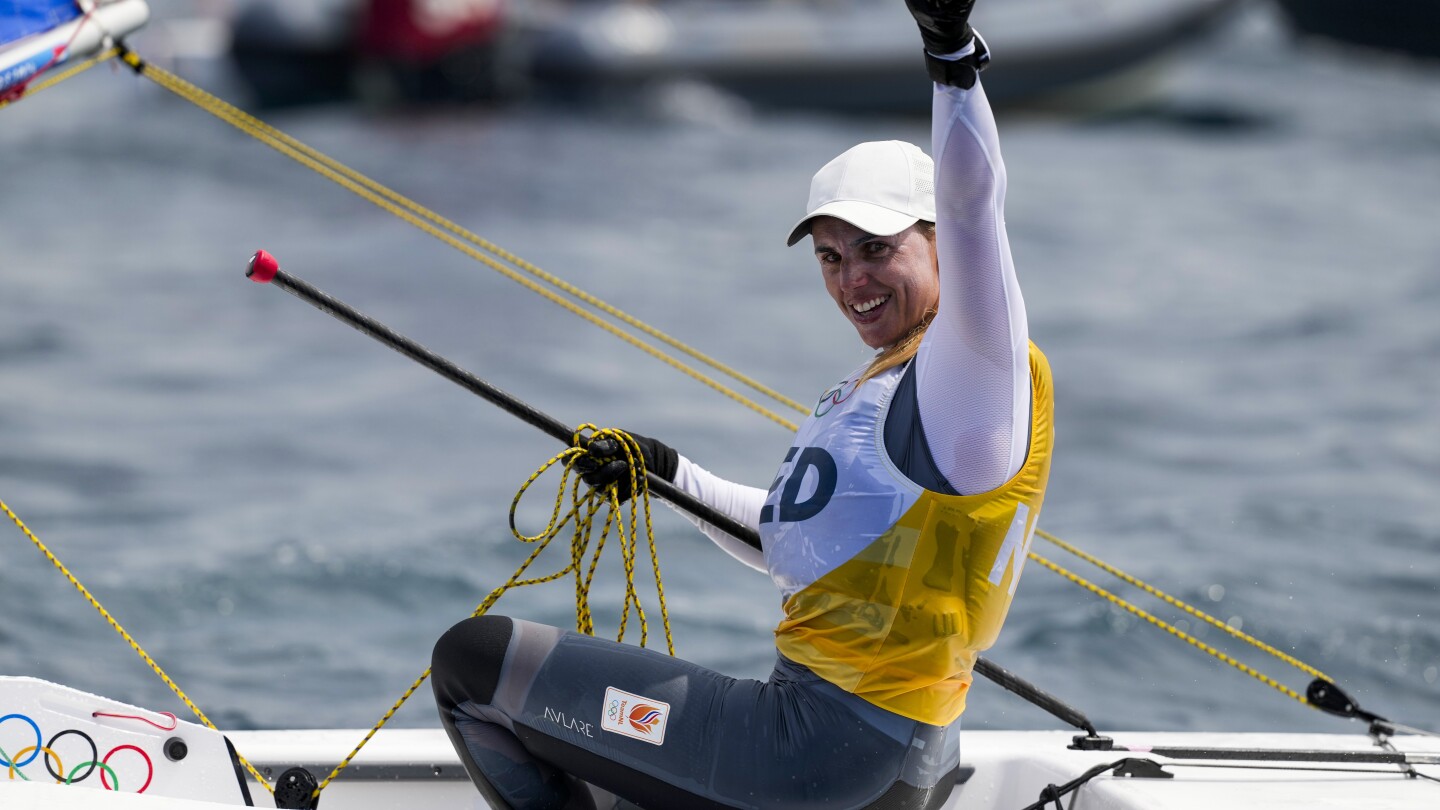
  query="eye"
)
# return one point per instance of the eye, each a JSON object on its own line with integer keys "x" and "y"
{"x": 875, "y": 248}
{"x": 828, "y": 257}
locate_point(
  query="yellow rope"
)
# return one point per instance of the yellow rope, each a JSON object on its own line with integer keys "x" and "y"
{"x": 461, "y": 239}
{"x": 114, "y": 624}
{"x": 581, "y": 514}
{"x": 60, "y": 76}
{"x": 1169, "y": 628}
{"x": 1172, "y": 601}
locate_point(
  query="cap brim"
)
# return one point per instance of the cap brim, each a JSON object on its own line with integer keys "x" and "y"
{"x": 868, "y": 217}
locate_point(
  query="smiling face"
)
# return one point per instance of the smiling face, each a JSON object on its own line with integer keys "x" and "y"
{"x": 883, "y": 284}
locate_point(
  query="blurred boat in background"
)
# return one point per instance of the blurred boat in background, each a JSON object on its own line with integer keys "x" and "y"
{"x": 1405, "y": 26}
{"x": 290, "y": 52}
{"x": 865, "y": 55}
{"x": 837, "y": 55}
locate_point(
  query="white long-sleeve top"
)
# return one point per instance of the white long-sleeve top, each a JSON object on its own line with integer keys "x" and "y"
{"x": 972, "y": 371}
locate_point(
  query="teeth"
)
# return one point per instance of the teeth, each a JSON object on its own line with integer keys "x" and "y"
{"x": 865, "y": 306}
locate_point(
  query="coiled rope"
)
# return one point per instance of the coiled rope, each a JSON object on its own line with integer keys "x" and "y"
{"x": 583, "y": 509}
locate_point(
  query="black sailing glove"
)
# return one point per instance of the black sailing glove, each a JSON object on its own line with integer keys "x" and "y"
{"x": 944, "y": 24}
{"x": 604, "y": 463}
{"x": 945, "y": 29}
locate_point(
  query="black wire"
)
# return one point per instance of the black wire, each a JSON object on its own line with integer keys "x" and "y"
{"x": 1053, "y": 794}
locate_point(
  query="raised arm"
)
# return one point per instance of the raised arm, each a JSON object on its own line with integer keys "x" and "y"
{"x": 972, "y": 370}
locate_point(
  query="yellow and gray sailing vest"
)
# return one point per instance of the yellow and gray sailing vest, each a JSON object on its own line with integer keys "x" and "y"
{"x": 890, "y": 590}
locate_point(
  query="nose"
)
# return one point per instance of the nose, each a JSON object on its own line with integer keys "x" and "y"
{"x": 852, "y": 274}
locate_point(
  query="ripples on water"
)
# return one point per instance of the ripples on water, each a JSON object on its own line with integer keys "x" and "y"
{"x": 1236, "y": 288}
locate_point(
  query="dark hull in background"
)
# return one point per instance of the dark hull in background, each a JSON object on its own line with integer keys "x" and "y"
{"x": 276, "y": 76}
{"x": 856, "y": 56}
{"x": 279, "y": 76}
{"x": 290, "y": 55}
{"x": 1405, "y": 26}
{"x": 847, "y": 56}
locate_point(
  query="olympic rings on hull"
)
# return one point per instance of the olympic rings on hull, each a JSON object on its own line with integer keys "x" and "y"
{"x": 149, "y": 766}
{"x": 48, "y": 753}
{"x": 35, "y": 748}
{"x": 105, "y": 767}
{"x": 20, "y": 759}
{"x": 94, "y": 756}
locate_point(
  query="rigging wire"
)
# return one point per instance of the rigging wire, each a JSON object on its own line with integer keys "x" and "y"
{"x": 1383, "y": 741}
{"x": 1149, "y": 768}
{"x": 1171, "y": 629}
{"x": 1173, "y": 602}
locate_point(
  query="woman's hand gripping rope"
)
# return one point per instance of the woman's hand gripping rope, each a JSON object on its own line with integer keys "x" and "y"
{"x": 607, "y": 460}
{"x": 613, "y": 464}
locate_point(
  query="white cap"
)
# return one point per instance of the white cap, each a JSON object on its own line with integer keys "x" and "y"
{"x": 880, "y": 187}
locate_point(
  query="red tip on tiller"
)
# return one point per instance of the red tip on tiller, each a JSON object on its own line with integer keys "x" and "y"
{"x": 263, "y": 267}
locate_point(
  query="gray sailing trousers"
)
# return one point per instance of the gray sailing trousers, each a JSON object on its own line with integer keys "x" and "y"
{"x": 540, "y": 716}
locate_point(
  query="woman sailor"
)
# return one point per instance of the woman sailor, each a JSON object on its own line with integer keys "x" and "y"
{"x": 895, "y": 529}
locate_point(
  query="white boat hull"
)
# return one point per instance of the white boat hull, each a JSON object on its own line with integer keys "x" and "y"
{"x": 403, "y": 769}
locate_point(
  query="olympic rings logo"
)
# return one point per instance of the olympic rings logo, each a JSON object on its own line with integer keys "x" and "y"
{"x": 613, "y": 711}
{"x": 835, "y": 396}
{"x": 20, "y": 760}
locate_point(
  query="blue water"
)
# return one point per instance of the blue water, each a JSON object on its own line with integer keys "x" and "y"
{"x": 1236, "y": 286}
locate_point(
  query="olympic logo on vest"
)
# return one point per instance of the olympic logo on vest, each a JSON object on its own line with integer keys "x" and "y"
{"x": 28, "y": 754}
{"x": 835, "y": 396}
{"x": 635, "y": 716}
{"x": 644, "y": 718}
